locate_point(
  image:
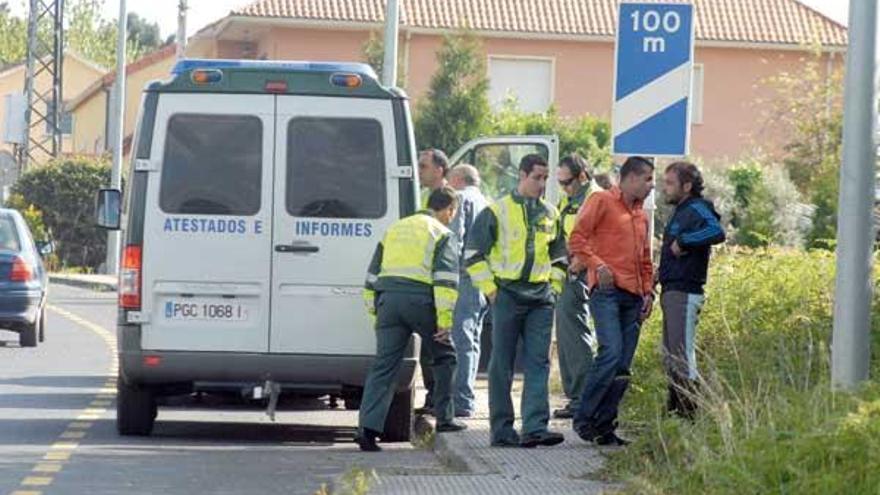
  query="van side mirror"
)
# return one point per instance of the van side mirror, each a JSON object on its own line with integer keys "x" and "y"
{"x": 46, "y": 248}
{"x": 108, "y": 209}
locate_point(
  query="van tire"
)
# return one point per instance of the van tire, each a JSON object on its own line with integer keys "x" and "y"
{"x": 28, "y": 335}
{"x": 135, "y": 409}
{"x": 399, "y": 422}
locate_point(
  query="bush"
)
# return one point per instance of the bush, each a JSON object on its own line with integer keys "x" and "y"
{"x": 587, "y": 135}
{"x": 64, "y": 191}
{"x": 767, "y": 207}
{"x": 32, "y": 216}
{"x": 769, "y": 422}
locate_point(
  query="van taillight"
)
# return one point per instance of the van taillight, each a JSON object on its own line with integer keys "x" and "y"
{"x": 130, "y": 278}
{"x": 21, "y": 271}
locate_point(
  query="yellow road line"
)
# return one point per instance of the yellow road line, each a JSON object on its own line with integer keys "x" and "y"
{"x": 47, "y": 467}
{"x": 56, "y": 456}
{"x": 37, "y": 481}
{"x": 67, "y": 442}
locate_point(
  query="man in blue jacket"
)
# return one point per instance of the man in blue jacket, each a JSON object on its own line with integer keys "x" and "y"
{"x": 684, "y": 261}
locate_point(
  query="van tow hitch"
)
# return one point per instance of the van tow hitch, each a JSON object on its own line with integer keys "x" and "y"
{"x": 273, "y": 390}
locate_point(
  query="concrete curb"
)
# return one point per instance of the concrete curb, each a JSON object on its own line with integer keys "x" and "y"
{"x": 452, "y": 449}
{"x": 82, "y": 282}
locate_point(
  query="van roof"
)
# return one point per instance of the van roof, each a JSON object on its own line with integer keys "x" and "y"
{"x": 276, "y": 77}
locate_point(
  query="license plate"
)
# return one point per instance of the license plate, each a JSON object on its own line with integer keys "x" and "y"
{"x": 205, "y": 311}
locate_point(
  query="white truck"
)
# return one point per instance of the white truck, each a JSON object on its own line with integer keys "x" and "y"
{"x": 255, "y": 196}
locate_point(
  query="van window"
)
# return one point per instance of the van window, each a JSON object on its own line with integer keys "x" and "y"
{"x": 498, "y": 164}
{"x": 335, "y": 168}
{"x": 212, "y": 165}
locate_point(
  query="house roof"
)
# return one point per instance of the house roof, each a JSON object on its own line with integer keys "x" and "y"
{"x": 745, "y": 21}
{"x": 68, "y": 55}
{"x": 110, "y": 77}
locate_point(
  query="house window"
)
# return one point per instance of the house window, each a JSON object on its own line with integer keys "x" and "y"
{"x": 66, "y": 123}
{"x": 528, "y": 80}
{"x": 697, "y": 95}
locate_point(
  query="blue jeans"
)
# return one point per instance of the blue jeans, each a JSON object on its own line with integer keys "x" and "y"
{"x": 515, "y": 319}
{"x": 470, "y": 309}
{"x": 616, "y": 318}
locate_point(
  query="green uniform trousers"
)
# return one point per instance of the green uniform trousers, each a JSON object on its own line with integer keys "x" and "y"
{"x": 398, "y": 316}
{"x": 574, "y": 340}
{"x": 516, "y": 318}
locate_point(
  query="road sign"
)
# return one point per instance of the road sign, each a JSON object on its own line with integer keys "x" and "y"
{"x": 654, "y": 55}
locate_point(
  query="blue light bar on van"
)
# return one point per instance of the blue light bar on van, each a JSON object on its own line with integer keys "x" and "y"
{"x": 272, "y": 65}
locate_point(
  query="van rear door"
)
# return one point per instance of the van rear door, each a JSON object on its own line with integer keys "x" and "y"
{"x": 335, "y": 195}
{"x": 207, "y": 226}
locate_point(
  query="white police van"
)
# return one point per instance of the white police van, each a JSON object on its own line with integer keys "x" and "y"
{"x": 256, "y": 194}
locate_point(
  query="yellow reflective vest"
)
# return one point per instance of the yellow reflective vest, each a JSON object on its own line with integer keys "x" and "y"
{"x": 416, "y": 252}
{"x": 521, "y": 245}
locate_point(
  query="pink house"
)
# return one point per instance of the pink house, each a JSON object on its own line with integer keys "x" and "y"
{"x": 557, "y": 52}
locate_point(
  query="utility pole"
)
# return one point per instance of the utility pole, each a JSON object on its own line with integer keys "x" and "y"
{"x": 389, "y": 65}
{"x": 118, "y": 117}
{"x": 181, "y": 29}
{"x": 850, "y": 349}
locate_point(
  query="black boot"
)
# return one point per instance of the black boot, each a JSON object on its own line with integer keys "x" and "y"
{"x": 682, "y": 399}
{"x": 366, "y": 440}
{"x": 673, "y": 400}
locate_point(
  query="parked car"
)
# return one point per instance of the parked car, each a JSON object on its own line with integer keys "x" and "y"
{"x": 24, "y": 284}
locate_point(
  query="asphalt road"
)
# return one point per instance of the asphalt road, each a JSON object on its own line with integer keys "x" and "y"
{"x": 58, "y": 434}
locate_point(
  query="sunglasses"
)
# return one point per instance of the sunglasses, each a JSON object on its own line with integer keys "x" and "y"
{"x": 566, "y": 182}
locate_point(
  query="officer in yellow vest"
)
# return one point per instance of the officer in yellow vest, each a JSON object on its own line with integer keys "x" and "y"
{"x": 574, "y": 340}
{"x": 411, "y": 288}
{"x": 516, "y": 256}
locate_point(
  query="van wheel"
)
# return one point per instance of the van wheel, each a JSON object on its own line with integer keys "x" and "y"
{"x": 28, "y": 335}
{"x": 135, "y": 409}
{"x": 398, "y": 424}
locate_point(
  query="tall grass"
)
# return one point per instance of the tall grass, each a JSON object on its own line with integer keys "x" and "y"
{"x": 769, "y": 422}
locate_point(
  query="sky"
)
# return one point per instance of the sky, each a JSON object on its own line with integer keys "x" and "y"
{"x": 204, "y": 12}
{"x": 201, "y": 12}
{"x": 835, "y": 9}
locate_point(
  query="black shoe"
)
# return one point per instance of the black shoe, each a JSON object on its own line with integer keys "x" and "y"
{"x": 588, "y": 433}
{"x": 367, "y": 441}
{"x": 564, "y": 413}
{"x": 506, "y": 444}
{"x": 464, "y": 414}
{"x": 451, "y": 426}
{"x": 545, "y": 438}
{"x": 611, "y": 439}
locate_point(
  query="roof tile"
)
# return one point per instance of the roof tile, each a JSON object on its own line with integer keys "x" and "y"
{"x": 753, "y": 21}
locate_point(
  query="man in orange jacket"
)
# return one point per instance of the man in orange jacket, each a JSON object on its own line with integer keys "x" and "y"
{"x": 611, "y": 241}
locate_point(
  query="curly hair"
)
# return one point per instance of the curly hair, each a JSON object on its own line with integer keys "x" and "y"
{"x": 688, "y": 172}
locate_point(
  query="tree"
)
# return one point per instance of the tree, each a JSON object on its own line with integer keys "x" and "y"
{"x": 143, "y": 34}
{"x": 374, "y": 55}
{"x": 13, "y": 37}
{"x": 94, "y": 37}
{"x": 808, "y": 108}
{"x": 456, "y": 107}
